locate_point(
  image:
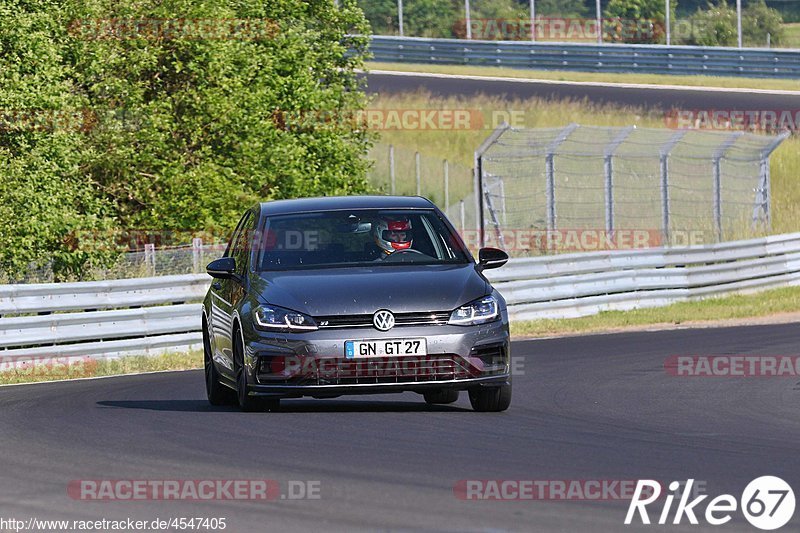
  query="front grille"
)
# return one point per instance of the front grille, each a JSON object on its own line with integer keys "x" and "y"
{"x": 379, "y": 370}
{"x": 437, "y": 318}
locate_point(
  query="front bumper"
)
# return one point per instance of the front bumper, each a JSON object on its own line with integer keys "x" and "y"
{"x": 313, "y": 364}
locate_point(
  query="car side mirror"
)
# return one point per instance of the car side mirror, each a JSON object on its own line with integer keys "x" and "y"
{"x": 491, "y": 258}
{"x": 222, "y": 268}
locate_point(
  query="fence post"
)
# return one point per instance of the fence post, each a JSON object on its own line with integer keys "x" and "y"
{"x": 763, "y": 199}
{"x": 550, "y": 174}
{"x": 446, "y": 186}
{"x": 719, "y": 153}
{"x": 609, "y": 175}
{"x": 664, "y": 164}
{"x": 391, "y": 168}
{"x": 417, "y": 172}
{"x": 400, "y": 16}
{"x": 478, "y": 176}
{"x": 493, "y": 214}
{"x": 150, "y": 258}
{"x": 197, "y": 252}
{"x": 463, "y": 213}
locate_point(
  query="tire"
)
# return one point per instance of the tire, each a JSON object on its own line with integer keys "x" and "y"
{"x": 491, "y": 399}
{"x": 246, "y": 402}
{"x": 440, "y": 397}
{"x": 217, "y": 393}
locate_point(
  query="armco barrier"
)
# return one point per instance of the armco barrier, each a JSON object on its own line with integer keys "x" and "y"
{"x": 654, "y": 59}
{"x": 101, "y": 318}
{"x": 153, "y": 315}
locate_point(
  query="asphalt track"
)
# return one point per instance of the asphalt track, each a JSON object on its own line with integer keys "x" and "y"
{"x": 652, "y": 98}
{"x": 593, "y": 407}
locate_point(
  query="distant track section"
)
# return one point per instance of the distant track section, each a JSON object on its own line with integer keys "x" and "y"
{"x": 648, "y": 96}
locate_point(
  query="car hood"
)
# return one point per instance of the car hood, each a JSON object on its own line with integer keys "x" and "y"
{"x": 364, "y": 290}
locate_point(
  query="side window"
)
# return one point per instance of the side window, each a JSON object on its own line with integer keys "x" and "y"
{"x": 242, "y": 243}
{"x": 235, "y": 236}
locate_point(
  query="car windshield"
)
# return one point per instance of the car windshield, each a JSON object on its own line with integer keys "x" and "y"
{"x": 357, "y": 238}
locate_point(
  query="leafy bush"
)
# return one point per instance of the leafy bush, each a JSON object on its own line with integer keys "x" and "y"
{"x": 177, "y": 132}
{"x": 716, "y": 25}
{"x": 636, "y": 21}
{"x": 757, "y": 21}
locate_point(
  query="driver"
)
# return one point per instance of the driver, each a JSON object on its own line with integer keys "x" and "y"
{"x": 392, "y": 235}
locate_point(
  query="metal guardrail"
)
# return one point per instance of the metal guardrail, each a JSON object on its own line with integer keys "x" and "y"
{"x": 63, "y": 320}
{"x": 139, "y": 316}
{"x": 574, "y": 285}
{"x": 654, "y": 59}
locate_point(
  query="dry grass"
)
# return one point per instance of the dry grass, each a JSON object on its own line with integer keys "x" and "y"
{"x": 457, "y": 146}
{"x": 54, "y": 369}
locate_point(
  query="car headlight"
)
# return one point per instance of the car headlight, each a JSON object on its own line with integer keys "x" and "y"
{"x": 278, "y": 318}
{"x": 477, "y": 312}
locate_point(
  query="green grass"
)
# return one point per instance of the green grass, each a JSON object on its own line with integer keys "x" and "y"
{"x": 557, "y": 75}
{"x": 768, "y": 303}
{"x": 61, "y": 368}
{"x": 791, "y": 35}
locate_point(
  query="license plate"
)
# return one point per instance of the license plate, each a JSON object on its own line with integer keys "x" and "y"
{"x": 385, "y": 348}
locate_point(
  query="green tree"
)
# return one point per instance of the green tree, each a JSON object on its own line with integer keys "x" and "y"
{"x": 636, "y": 21}
{"x": 182, "y": 131}
{"x": 716, "y": 25}
{"x": 758, "y": 20}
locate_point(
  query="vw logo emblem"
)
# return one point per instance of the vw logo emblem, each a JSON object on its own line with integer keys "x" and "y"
{"x": 383, "y": 320}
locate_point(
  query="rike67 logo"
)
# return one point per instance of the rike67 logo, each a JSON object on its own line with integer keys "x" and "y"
{"x": 767, "y": 503}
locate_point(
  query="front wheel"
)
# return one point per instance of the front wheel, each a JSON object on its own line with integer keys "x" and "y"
{"x": 247, "y": 403}
{"x": 217, "y": 393}
{"x": 491, "y": 399}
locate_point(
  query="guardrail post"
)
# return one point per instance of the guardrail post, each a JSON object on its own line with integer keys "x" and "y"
{"x": 719, "y": 153}
{"x": 608, "y": 163}
{"x": 664, "y": 164}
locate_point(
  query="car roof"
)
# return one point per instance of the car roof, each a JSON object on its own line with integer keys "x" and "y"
{"x": 333, "y": 203}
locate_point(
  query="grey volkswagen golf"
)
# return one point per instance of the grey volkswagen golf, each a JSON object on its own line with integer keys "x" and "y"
{"x": 353, "y": 295}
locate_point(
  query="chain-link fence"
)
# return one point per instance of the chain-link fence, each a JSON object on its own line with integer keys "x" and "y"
{"x": 588, "y": 183}
{"x": 402, "y": 171}
{"x": 185, "y": 259}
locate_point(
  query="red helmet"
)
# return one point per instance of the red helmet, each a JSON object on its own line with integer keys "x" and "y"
{"x": 393, "y": 234}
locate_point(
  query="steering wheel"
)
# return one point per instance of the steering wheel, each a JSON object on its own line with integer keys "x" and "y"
{"x": 407, "y": 251}
{"x": 398, "y": 252}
